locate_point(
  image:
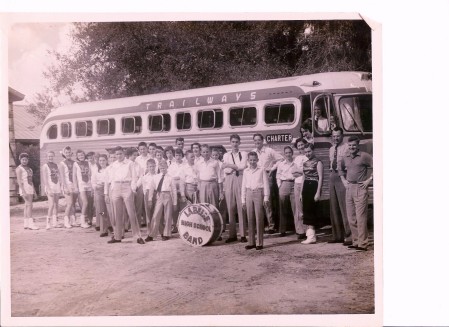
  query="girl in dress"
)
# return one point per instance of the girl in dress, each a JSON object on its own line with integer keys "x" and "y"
{"x": 52, "y": 188}
{"x": 311, "y": 191}
{"x": 68, "y": 188}
{"x": 26, "y": 190}
{"x": 82, "y": 183}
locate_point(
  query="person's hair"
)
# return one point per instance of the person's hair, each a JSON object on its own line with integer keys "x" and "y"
{"x": 151, "y": 161}
{"x": 179, "y": 151}
{"x": 152, "y": 144}
{"x": 354, "y": 139}
{"x": 307, "y": 125}
{"x": 338, "y": 129}
{"x": 299, "y": 140}
{"x": 65, "y": 148}
{"x": 24, "y": 155}
{"x": 78, "y": 152}
{"x": 196, "y": 143}
{"x": 288, "y": 147}
{"x": 234, "y": 136}
{"x": 309, "y": 146}
{"x": 258, "y": 134}
{"x": 163, "y": 163}
{"x": 90, "y": 154}
{"x": 169, "y": 148}
{"x": 48, "y": 152}
{"x": 118, "y": 148}
{"x": 205, "y": 146}
{"x": 254, "y": 154}
{"x": 189, "y": 152}
{"x": 142, "y": 144}
{"x": 130, "y": 151}
{"x": 102, "y": 156}
{"x": 215, "y": 150}
{"x": 179, "y": 139}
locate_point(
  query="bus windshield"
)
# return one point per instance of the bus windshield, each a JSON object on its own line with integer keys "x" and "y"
{"x": 356, "y": 113}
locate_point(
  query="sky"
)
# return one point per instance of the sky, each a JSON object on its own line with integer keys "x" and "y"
{"x": 28, "y": 54}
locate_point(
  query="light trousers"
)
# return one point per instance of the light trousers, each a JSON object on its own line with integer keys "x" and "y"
{"x": 254, "y": 210}
{"x": 122, "y": 198}
{"x": 357, "y": 209}
{"x": 233, "y": 195}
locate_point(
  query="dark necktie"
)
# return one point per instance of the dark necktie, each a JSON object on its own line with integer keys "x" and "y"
{"x": 159, "y": 186}
{"x": 334, "y": 162}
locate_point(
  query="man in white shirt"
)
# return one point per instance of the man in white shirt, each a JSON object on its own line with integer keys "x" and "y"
{"x": 210, "y": 181}
{"x": 123, "y": 179}
{"x": 267, "y": 158}
{"x": 133, "y": 154}
{"x": 166, "y": 202}
{"x": 174, "y": 170}
{"x": 255, "y": 194}
{"x": 234, "y": 162}
{"x": 189, "y": 178}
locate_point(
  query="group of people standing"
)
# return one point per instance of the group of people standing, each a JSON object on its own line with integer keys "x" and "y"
{"x": 148, "y": 186}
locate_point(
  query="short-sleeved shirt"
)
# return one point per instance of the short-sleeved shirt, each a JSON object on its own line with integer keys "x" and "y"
{"x": 267, "y": 157}
{"x": 355, "y": 167}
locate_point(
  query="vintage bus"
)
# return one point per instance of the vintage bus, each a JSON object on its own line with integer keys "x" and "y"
{"x": 276, "y": 108}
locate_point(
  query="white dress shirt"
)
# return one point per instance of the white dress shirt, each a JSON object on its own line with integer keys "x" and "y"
{"x": 267, "y": 157}
{"x": 168, "y": 185}
{"x": 209, "y": 170}
{"x": 234, "y": 159}
{"x": 254, "y": 179}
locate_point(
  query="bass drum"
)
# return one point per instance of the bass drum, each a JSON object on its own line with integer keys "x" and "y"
{"x": 200, "y": 224}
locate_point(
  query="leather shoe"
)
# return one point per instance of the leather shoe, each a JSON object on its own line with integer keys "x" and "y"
{"x": 165, "y": 238}
{"x": 283, "y": 234}
{"x": 243, "y": 239}
{"x": 110, "y": 229}
{"x": 271, "y": 231}
{"x": 148, "y": 239}
{"x": 174, "y": 230}
{"x": 352, "y": 247}
{"x": 249, "y": 247}
{"x": 302, "y": 236}
{"x": 219, "y": 238}
{"x": 113, "y": 240}
{"x": 334, "y": 241}
{"x": 103, "y": 234}
{"x": 97, "y": 229}
{"x": 358, "y": 248}
{"x": 346, "y": 243}
{"x": 230, "y": 240}
{"x": 259, "y": 247}
{"x": 140, "y": 240}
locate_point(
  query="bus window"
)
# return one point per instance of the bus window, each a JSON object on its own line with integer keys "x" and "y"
{"x": 66, "y": 130}
{"x": 52, "y": 132}
{"x": 106, "y": 126}
{"x": 183, "y": 120}
{"x": 279, "y": 113}
{"x": 210, "y": 118}
{"x": 132, "y": 124}
{"x": 159, "y": 123}
{"x": 83, "y": 128}
{"x": 243, "y": 116}
{"x": 356, "y": 113}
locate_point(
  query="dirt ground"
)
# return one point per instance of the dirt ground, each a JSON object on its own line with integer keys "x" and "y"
{"x": 74, "y": 272}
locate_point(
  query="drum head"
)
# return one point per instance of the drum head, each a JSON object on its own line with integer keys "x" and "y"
{"x": 199, "y": 224}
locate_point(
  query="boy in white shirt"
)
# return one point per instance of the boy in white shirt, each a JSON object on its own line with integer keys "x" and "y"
{"x": 166, "y": 201}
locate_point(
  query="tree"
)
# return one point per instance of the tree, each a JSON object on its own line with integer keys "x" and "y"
{"x": 41, "y": 105}
{"x": 111, "y": 60}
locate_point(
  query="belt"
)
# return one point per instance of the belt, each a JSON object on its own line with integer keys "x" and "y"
{"x": 208, "y": 181}
{"x": 254, "y": 189}
{"x": 287, "y": 180}
{"x": 193, "y": 184}
{"x": 123, "y": 182}
{"x": 352, "y": 182}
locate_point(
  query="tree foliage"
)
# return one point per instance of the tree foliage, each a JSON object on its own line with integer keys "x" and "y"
{"x": 110, "y": 60}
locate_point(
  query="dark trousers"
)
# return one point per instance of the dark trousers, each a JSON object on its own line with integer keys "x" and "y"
{"x": 338, "y": 215}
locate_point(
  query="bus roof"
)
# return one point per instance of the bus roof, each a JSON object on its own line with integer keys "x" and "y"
{"x": 296, "y": 85}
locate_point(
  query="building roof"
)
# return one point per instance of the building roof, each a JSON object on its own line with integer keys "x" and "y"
{"x": 14, "y": 95}
{"x": 25, "y": 125}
